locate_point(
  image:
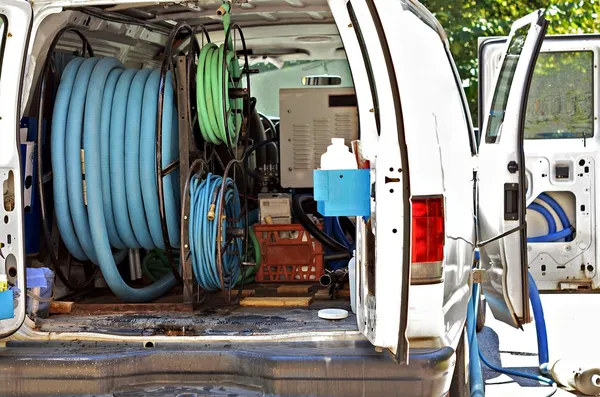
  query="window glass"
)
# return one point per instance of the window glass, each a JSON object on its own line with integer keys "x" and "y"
{"x": 561, "y": 100}
{"x": 507, "y": 74}
{"x": 272, "y": 77}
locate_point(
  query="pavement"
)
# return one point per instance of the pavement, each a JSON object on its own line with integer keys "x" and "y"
{"x": 573, "y": 323}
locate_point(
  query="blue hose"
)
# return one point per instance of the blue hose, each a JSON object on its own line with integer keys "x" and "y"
{"x": 546, "y": 214}
{"x": 475, "y": 374}
{"x": 552, "y": 235}
{"x": 564, "y": 219}
{"x": 476, "y": 355}
{"x": 110, "y": 112}
{"x": 205, "y": 197}
{"x": 540, "y": 322}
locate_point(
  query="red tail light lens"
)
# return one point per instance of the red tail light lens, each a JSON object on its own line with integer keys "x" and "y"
{"x": 427, "y": 239}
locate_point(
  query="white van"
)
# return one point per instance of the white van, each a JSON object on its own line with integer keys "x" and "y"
{"x": 414, "y": 254}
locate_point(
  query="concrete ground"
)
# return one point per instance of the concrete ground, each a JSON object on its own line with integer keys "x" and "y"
{"x": 573, "y": 322}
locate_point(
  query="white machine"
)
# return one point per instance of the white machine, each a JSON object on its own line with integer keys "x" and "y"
{"x": 309, "y": 118}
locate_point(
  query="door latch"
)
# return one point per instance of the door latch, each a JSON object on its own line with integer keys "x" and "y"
{"x": 512, "y": 167}
{"x": 511, "y": 201}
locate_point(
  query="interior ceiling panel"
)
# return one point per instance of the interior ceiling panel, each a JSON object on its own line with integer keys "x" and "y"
{"x": 244, "y": 12}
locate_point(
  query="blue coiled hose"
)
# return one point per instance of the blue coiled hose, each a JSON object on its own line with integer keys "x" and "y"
{"x": 110, "y": 113}
{"x": 205, "y": 198}
{"x": 552, "y": 235}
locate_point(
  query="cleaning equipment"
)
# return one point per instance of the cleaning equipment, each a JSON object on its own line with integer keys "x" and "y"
{"x": 585, "y": 379}
{"x": 340, "y": 188}
{"x": 211, "y": 272}
{"x": 105, "y": 195}
{"x": 219, "y": 115}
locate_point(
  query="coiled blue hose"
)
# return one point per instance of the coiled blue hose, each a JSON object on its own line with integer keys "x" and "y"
{"x": 552, "y": 235}
{"x": 110, "y": 113}
{"x": 205, "y": 198}
{"x": 564, "y": 219}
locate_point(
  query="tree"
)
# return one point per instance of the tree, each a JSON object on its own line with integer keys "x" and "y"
{"x": 466, "y": 20}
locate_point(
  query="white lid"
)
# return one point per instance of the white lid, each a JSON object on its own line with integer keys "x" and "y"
{"x": 337, "y": 141}
{"x": 333, "y": 314}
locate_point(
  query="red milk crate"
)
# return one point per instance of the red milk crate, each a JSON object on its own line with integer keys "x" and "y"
{"x": 288, "y": 254}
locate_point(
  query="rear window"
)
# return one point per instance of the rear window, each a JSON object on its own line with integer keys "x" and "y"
{"x": 561, "y": 100}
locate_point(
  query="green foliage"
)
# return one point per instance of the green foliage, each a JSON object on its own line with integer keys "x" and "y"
{"x": 466, "y": 20}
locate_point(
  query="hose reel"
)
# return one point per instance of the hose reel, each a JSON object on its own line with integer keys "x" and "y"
{"x": 222, "y": 102}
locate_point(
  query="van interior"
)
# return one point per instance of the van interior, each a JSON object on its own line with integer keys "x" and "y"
{"x": 288, "y": 78}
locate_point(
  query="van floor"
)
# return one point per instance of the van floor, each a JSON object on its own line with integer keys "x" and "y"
{"x": 212, "y": 317}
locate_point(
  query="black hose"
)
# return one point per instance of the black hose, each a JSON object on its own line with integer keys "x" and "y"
{"x": 312, "y": 228}
{"x": 338, "y": 256}
{"x": 252, "y": 148}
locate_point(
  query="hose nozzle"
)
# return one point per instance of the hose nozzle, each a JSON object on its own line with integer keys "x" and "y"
{"x": 211, "y": 212}
{"x": 223, "y": 9}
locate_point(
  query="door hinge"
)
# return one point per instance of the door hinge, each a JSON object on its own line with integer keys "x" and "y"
{"x": 479, "y": 276}
{"x": 475, "y": 162}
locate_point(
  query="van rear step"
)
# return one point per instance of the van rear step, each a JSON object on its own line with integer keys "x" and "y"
{"x": 340, "y": 368}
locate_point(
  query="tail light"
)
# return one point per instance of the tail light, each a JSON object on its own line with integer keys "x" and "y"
{"x": 427, "y": 240}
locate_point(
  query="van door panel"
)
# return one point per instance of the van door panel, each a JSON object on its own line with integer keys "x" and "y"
{"x": 14, "y": 37}
{"x": 501, "y": 177}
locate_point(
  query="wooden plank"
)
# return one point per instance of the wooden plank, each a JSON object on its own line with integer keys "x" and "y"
{"x": 97, "y": 308}
{"x": 294, "y": 289}
{"x": 58, "y": 307}
{"x": 322, "y": 294}
{"x": 245, "y": 293}
{"x": 275, "y": 301}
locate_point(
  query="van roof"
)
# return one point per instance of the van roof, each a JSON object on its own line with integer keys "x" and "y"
{"x": 163, "y": 15}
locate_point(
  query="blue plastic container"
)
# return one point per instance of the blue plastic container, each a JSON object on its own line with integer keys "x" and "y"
{"x": 343, "y": 192}
{"x": 7, "y": 309}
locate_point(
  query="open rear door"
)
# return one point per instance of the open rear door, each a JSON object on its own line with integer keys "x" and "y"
{"x": 15, "y": 22}
{"x": 501, "y": 177}
{"x": 383, "y": 240}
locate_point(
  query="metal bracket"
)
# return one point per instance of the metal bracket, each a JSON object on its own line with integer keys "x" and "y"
{"x": 479, "y": 276}
{"x": 185, "y": 145}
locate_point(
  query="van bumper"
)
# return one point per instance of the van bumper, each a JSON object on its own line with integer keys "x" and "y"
{"x": 345, "y": 369}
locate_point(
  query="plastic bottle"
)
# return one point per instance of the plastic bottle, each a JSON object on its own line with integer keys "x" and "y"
{"x": 338, "y": 156}
{"x": 351, "y": 277}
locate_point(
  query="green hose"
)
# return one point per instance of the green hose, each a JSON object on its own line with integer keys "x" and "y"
{"x": 155, "y": 264}
{"x": 209, "y": 90}
{"x": 249, "y": 277}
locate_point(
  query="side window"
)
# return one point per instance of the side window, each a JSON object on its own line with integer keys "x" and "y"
{"x": 561, "y": 97}
{"x": 507, "y": 73}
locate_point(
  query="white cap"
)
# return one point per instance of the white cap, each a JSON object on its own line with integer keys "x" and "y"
{"x": 337, "y": 141}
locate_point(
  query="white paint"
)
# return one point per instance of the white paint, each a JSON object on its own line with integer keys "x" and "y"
{"x": 18, "y": 14}
{"x": 502, "y": 257}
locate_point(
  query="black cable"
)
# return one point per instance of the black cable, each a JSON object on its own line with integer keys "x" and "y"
{"x": 312, "y": 228}
{"x": 337, "y": 256}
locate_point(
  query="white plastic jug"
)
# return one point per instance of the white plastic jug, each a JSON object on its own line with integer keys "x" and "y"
{"x": 351, "y": 277}
{"x": 338, "y": 156}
